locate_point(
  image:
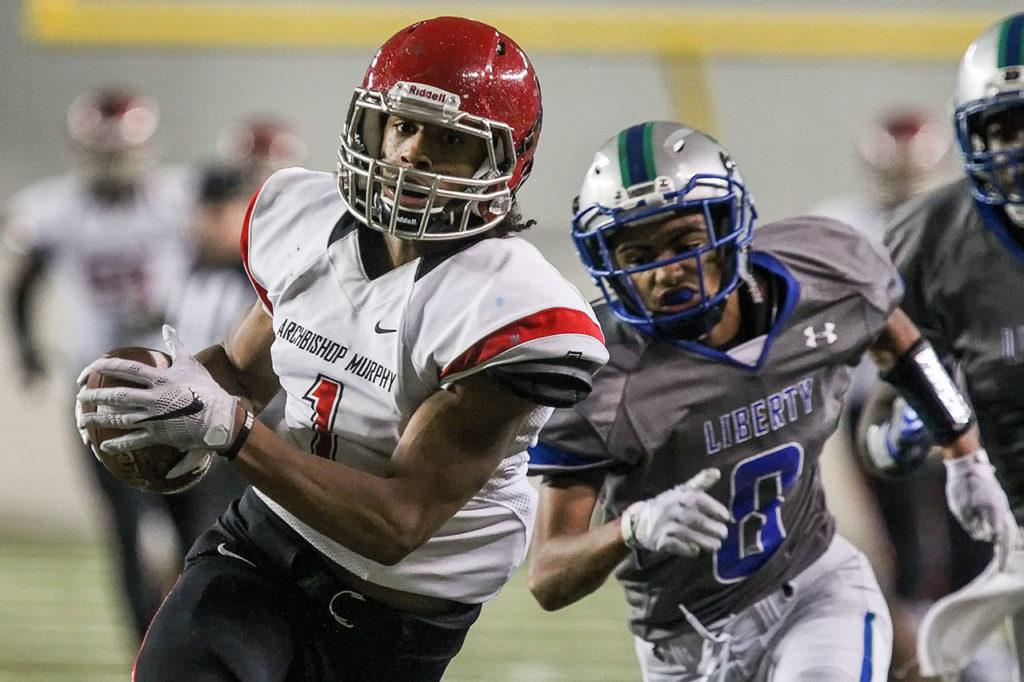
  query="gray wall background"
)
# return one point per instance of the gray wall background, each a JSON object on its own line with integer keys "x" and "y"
{"x": 790, "y": 124}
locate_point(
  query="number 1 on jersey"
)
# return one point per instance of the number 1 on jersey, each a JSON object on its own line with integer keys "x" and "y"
{"x": 324, "y": 395}
{"x": 758, "y": 486}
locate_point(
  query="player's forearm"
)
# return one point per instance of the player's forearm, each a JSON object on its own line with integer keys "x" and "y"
{"x": 30, "y": 273}
{"x": 234, "y": 380}
{"x": 909, "y": 363}
{"x": 377, "y": 517}
{"x": 564, "y": 569}
{"x": 242, "y": 364}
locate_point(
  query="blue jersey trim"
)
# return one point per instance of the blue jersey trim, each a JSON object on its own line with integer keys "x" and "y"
{"x": 994, "y": 222}
{"x": 546, "y": 459}
{"x": 766, "y": 262}
{"x": 866, "y": 663}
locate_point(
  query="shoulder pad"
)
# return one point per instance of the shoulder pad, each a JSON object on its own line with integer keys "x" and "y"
{"x": 498, "y": 302}
{"x": 825, "y": 254}
{"x": 288, "y": 223}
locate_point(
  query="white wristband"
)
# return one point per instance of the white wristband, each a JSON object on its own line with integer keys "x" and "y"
{"x": 627, "y": 526}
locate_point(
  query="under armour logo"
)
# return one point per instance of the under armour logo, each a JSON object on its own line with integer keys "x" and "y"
{"x": 828, "y": 335}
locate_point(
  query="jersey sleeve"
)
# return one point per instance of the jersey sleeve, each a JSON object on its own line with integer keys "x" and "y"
{"x": 864, "y": 264}
{"x": 29, "y": 222}
{"x": 497, "y": 303}
{"x": 568, "y": 444}
{"x": 833, "y": 260}
{"x": 288, "y": 222}
{"x": 903, "y": 239}
{"x": 573, "y": 446}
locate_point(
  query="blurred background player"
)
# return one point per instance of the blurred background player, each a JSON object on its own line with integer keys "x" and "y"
{"x": 113, "y": 233}
{"x": 217, "y": 291}
{"x": 904, "y": 153}
{"x": 960, "y": 250}
{"x": 259, "y": 145}
{"x": 730, "y": 353}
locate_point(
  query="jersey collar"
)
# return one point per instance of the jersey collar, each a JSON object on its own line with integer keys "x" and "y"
{"x": 789, "y": 293}
{"x": 996, "y": 224}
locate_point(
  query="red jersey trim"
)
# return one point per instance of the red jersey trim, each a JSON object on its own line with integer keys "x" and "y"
{"x": 549, "y": 322}
{"x": 260, "y": 290}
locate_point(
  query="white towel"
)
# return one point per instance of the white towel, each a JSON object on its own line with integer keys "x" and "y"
{"x": 956, "y": 625}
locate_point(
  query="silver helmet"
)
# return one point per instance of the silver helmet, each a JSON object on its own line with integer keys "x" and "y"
{"x": 644, "y": 173}
{"x": 990, "y": 83}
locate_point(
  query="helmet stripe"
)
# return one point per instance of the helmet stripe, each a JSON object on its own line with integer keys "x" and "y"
{"x": 1011, "y": 42}
{"x": 624, "y": 158}
{"x": 636, "y": 155}
{"x": 649, "y": 150}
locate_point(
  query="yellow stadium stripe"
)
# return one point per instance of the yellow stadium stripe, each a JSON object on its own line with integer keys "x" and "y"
{"x": 600, "y": 29}
{"x": 690, "y": 90}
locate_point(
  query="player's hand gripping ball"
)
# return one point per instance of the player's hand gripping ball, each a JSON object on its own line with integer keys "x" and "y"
{"x": 154, "y": 468}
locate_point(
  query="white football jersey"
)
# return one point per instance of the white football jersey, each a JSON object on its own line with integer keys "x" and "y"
{"x": 858, "y": 211}
{"x": 115, "y": 265}
{"x": 357, "y": 356}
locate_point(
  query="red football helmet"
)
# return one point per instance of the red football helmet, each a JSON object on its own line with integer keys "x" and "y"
{"x": 262, "y": 145}
{"x": 455, "y": 73}
{"x": 111, "y": 131}
{"x": 903, "y": 151}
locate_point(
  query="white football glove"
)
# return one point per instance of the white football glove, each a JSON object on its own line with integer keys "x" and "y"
{"x": 181, "y": 406}
{"x": 683, "y": 520}
{"x": 978, "y": 502}
{"x": 900, "y": 445}
{"x": 82, "y": 433}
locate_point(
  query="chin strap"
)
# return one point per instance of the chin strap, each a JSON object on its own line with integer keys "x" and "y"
{"x": 692, "y": 328}
{"x": 748, "y": 277}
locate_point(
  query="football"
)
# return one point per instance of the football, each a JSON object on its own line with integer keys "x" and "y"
{"x": 147, "y": 468}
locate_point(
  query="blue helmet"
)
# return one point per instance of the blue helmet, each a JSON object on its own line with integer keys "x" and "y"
{"x": 990, "y": 81}
{"x": 647, "y": 172}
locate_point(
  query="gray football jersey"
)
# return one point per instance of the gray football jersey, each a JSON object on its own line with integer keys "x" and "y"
{"x": 662, "y": 411}
{"x": 964, "y": 276}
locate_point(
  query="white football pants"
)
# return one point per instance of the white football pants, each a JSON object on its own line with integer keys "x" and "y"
{"x": 829, "y": 624}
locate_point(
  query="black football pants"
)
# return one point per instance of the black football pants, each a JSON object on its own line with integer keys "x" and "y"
{"x": 257, "y": 603}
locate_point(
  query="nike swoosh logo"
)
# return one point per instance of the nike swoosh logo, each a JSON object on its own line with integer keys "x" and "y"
{"x": 224, "y": 551}
{"x": 381, "y": 330}
{"x": 193, "y": 407}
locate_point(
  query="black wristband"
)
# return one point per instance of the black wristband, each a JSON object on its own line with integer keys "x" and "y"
{"x": 926, "y": 386}
{"x": 243, "y": 435}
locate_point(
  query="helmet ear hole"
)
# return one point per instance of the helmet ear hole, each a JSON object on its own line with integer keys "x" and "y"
{"x": 721, "y": 218}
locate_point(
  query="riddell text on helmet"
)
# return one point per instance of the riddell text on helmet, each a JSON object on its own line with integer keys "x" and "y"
{"x": 427, "y": 93}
